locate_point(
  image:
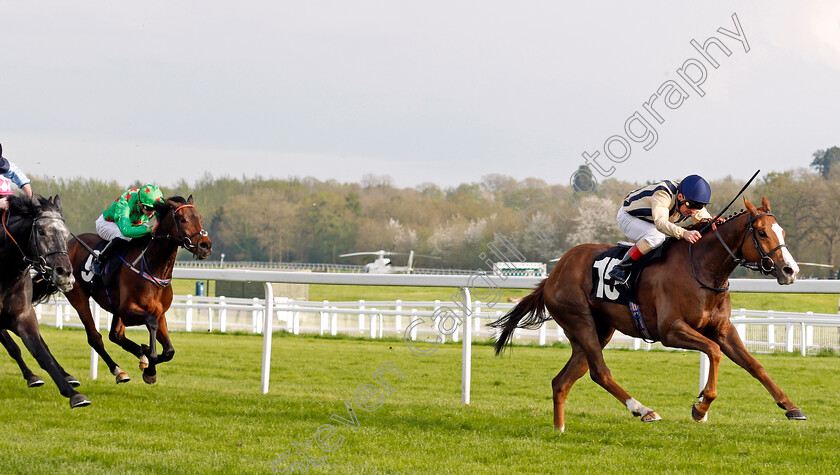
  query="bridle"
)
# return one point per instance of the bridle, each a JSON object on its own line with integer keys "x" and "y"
{"x": 39, "y": 263}
{"x": 185, "y": 241}
{"x": 753, "y": 266}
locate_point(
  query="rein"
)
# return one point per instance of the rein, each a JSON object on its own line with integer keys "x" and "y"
{"x": 753, "y": 266}
{"x": 40, "y": 262}
{"x": 185, "y": 242}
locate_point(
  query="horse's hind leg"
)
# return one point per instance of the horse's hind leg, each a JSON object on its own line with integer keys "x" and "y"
{"x": 600, "y": 373}
{"x": 81, "y": 303}
{"x": 27, "y": 330}
{"x": 70, "y": 379}
{"x": 32, "y": 380}
{"x": 734, "y": 348}
{"x": 575, "y": 368}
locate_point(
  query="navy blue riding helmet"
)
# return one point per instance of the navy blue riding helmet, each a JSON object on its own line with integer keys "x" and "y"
{"x": 695, "y": 190}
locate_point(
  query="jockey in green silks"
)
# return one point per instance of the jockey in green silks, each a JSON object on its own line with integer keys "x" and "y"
{"x": 128, "y": 217}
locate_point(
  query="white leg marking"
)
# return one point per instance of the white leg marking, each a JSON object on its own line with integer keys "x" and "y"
{"x": 636, "y": 408}
{"x": 144, "y": 360}
{"x": 116, "y": 371}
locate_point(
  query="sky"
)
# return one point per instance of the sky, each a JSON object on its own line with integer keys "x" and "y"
{"x": 444, "y": 92}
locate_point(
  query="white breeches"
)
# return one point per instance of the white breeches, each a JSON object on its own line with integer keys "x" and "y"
{"x": 645, "y": 234}
{"x": 108, "y": 229}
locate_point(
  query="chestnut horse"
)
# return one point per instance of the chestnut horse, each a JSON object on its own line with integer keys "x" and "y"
{"x": 683, "y": 300}
{"x": 140, "y": 294}
{"x": 34, "y": 236}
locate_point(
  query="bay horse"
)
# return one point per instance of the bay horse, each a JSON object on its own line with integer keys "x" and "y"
{"x": 684, "y": 302}
{"x": 34, "y": 237}
{"x": 140, "y": 294}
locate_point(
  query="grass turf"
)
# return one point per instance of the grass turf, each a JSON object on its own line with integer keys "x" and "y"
{"x": 206, "y": 415}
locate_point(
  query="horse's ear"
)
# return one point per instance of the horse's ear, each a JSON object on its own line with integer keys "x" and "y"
{"x": 749, "y": 206}
{"x": 765, "y": 203}
{"x": 57, "y": 202}
{"x": 190, "y": 200}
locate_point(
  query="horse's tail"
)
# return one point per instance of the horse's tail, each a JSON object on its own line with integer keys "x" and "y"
{"x": 529, "y": 313}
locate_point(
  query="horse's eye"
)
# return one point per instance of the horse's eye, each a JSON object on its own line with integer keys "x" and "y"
{"x": 182, "y": 219}
{"x": 762, "y": 234}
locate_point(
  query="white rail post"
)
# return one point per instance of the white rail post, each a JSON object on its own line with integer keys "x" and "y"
{"x": 255, "y": 315}
{"x": 771, "y": 331}
{"x": 413, "y": 333}
{"x": 361, "y": 317}
{"x": 209, "y": 319}
{"x": 266, "y": 356}
{"x": 477, "y": 321}
{"x": 789, "y": 337}
{"x": 398, "y": 318}
{"x": 189, "y": 317}
{"x": 466, "y": 357}
{"x": 704, "y": 370}
{"x": 222, "y": 314}
{"x": 94, "y": 357}
{"x": 334, "y": 322}
{"x": 59, "y": 314}
{"x": 373, "y": 323}
{"x": 295, "y": 316}
{"x": 809, "y": 330}
{"x": 436, "y": 323}
{"x": 803, "y": 340}
{"x": 325, "y": 317}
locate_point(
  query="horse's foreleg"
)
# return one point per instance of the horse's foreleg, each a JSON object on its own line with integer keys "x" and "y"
{"x": 14, "y": 351}
{"x": 575, "y": 368}
{"x": 734, "y": 348}
{"x": 27, "y": 330}
{"x": 167, "y": 350}
{"x": 150, "y": 373}
{"x": 681, "y": 335}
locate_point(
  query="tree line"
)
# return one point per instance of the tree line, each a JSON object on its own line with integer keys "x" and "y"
{"x": 308, "y": 220}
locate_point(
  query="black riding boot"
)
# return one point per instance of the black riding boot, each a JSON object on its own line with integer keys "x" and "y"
{"x": 104, "y": 255}
{"x": 621, "y": 271}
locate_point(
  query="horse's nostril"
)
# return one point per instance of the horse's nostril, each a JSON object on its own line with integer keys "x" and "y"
{"x": 204, "y": 245}
{"x": 788, "y": 271}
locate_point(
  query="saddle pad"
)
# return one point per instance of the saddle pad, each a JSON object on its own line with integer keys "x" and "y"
{"x": 603, "y": 286}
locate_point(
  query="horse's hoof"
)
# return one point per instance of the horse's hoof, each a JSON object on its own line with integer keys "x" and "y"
{"x": 697, "y": 415}
{"x": 149, "y": 378}
{"x": 795, "y": 415}
{"x": 651, "y": 416}
{"x": 34, "y": 382}
{"x": 123, "y": 378}
{"x": 72, "y": 381}
{"x": 79, "y": 400}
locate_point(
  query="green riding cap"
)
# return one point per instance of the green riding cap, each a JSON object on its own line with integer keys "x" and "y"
{"x": 127, "y": 210}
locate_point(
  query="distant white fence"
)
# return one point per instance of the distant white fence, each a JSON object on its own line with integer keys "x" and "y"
{"x": 269, "y": 310}
{"x": 761, "y": 331}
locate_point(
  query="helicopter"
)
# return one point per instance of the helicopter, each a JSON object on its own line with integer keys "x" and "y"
{"x": 382, "y": 264}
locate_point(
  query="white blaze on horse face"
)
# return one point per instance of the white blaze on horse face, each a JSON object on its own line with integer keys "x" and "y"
{"x": 786, "y": 255}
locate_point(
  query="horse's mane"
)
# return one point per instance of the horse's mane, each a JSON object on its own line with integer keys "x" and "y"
{"x": 23, "y": 206}
{"x": 162, "y": 208}
{"x": 733, "y": 215}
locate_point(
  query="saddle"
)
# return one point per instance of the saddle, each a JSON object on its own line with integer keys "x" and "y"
{"x": 92, "y": 280}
